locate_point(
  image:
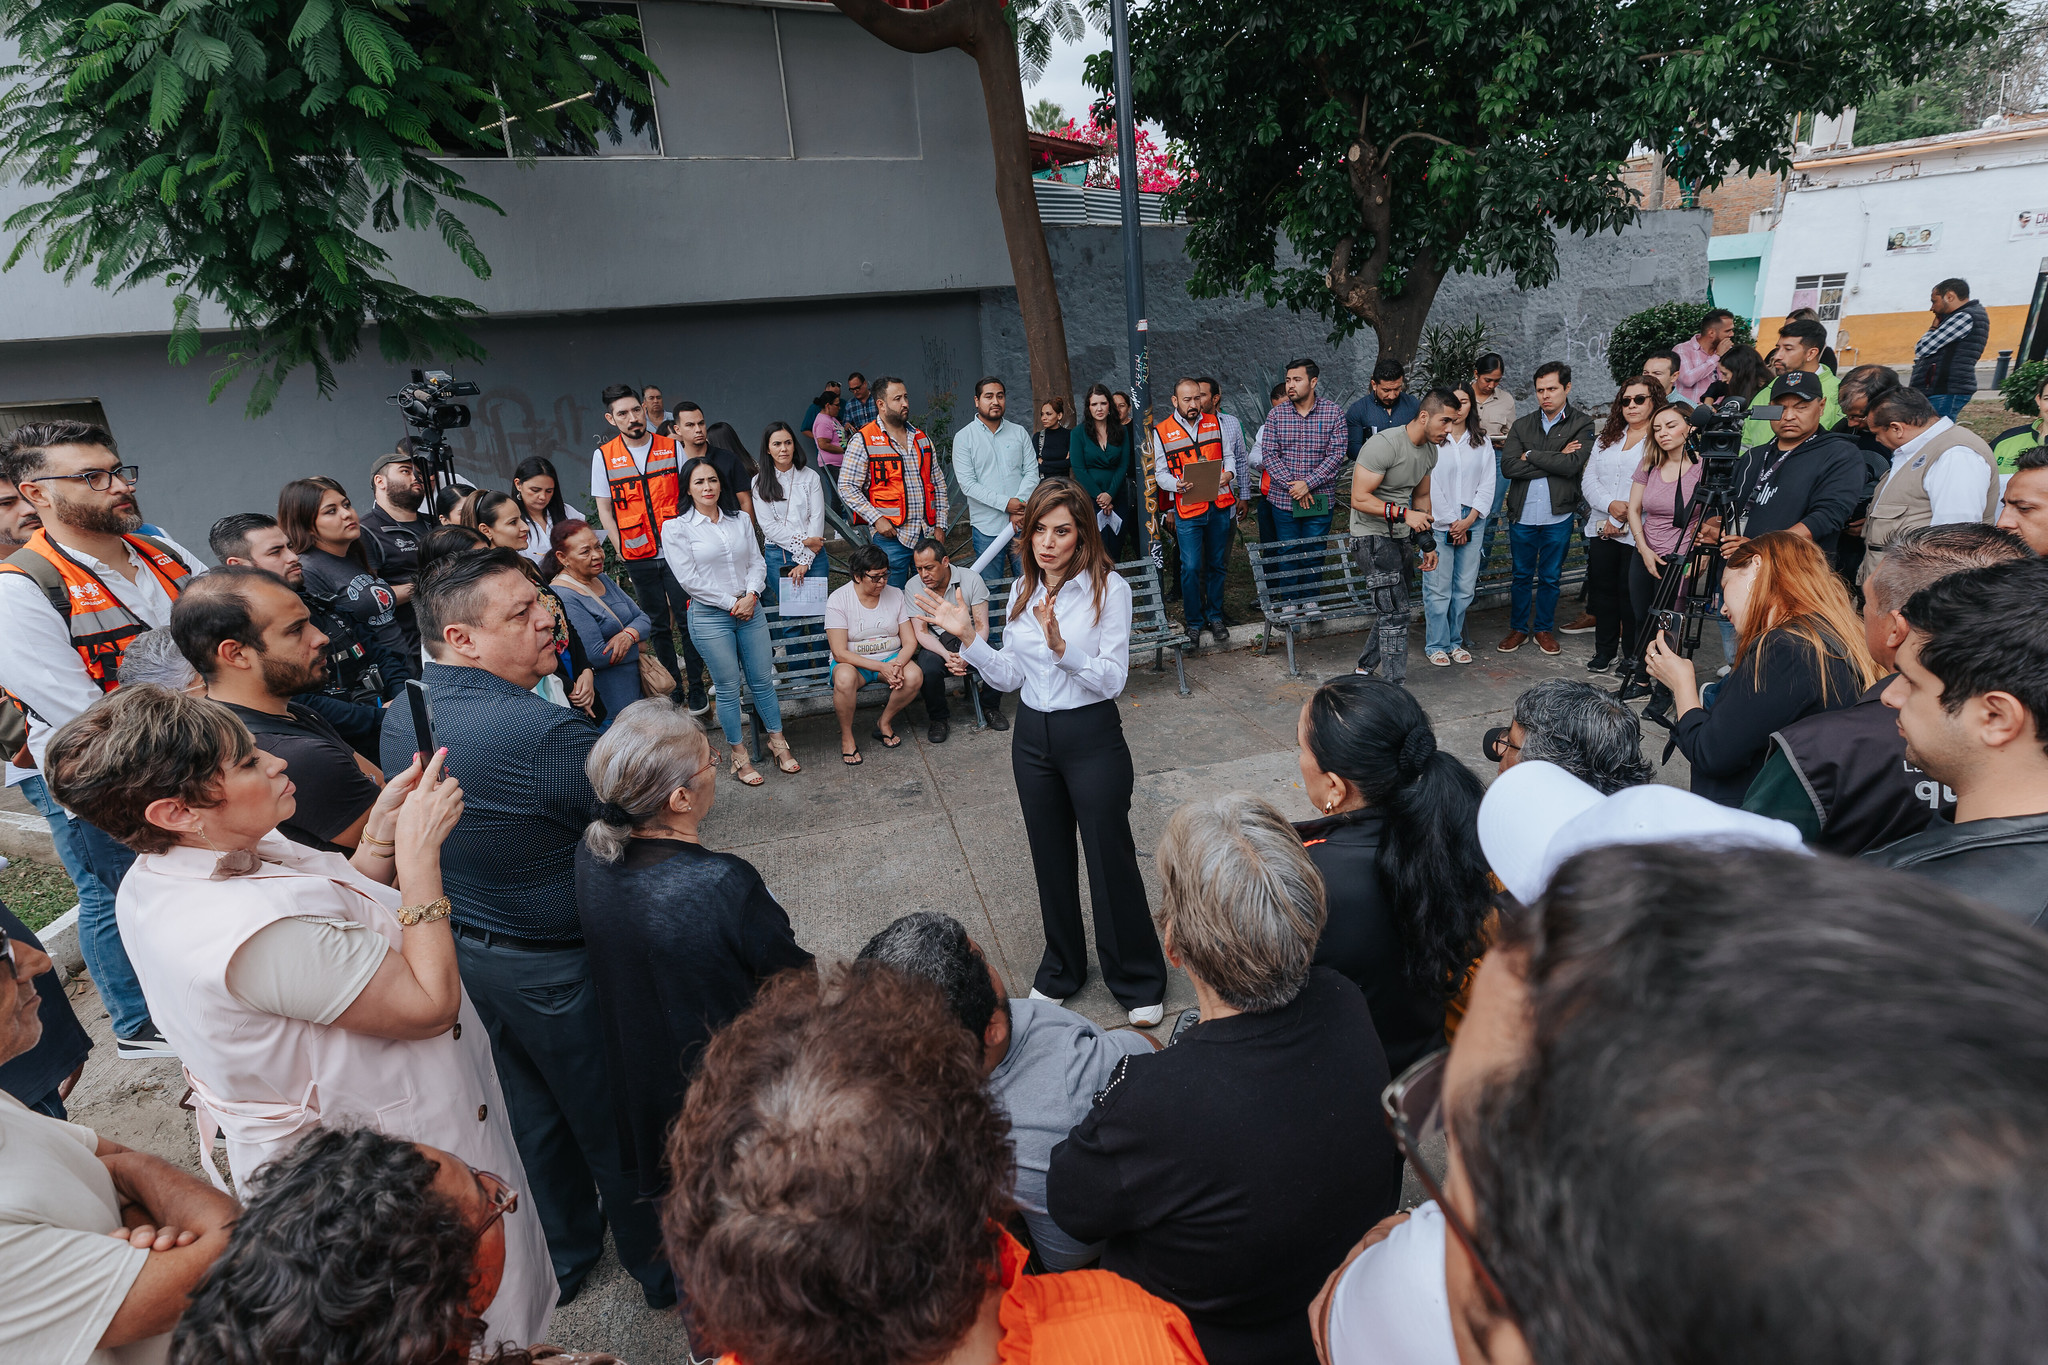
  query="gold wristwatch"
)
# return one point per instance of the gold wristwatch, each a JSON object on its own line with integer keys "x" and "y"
{"x": 423, "y": 914}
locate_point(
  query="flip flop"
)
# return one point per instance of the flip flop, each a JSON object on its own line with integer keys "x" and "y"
{"x": 851, "y": 758}
{"x": 888, "y": 741}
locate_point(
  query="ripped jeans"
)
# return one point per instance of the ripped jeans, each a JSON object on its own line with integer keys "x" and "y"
{"x": 1386, "y": 567}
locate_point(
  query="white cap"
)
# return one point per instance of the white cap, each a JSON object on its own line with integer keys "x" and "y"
{"x": 1536, "y": 815}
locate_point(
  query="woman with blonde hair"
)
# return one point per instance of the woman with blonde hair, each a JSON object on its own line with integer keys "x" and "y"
{"x": 1799, "y": 651}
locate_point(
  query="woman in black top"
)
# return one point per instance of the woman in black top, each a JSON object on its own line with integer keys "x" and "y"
{"x": 679, "y": 937}
{"x": 1398, "y": 847}
{"x": 1052, "y": 441}
{"x": 1799, "y": 651}
{"x": 319, "y": 522}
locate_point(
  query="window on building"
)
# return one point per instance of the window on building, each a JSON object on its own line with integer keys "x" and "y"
{"x": 14, "y": 416}
{"x": 1822, "y": 293}
{"x": 635, "y": 130}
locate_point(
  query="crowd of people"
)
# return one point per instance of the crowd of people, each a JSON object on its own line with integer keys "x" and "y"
{"x": 457, "y": 1006}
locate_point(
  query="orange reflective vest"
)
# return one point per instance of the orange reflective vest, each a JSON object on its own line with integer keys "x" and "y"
{"x": 100, "y": 626}
{"x": 1181, "y": 449}
{"x": 886, "y": 488}
{"x": 642, "y": 501}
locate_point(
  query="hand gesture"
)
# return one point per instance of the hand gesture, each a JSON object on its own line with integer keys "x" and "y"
{"x": 1103, "y": 501}
{"x": 1572, "y": 449}
{"x": 796, "y": 574}
{"x": 430, "y": 810}
{"x": 1049, "y": 622}
{"x": 1417, "y": 521}
{"x": 884, "y": 527}
{"x": 385, "y": 808}
{"x": 743, "y": 609}
{"x": 949, "y": 613}
{"x": 956, "y": 665}
{"x": 814, "y": 543}
{"x": 584, "y": 694}
{"x": 1652, "y": 562}
{"x": 620, "y": 645}
{"x": 1429, "y": 562}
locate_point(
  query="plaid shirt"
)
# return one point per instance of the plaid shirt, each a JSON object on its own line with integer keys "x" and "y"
{"x": 857, "y": 412}
{"x": 1310, "y": 449}
{"x": 1954, "y": 327}
{"x": 853, "y": 487}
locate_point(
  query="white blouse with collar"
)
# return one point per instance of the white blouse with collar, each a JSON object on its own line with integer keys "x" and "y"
{"x": 717, "y": 562}
{"x": 1098, "y": 652}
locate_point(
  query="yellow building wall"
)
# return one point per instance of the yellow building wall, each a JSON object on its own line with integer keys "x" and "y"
{"x": 1887, "y": 338}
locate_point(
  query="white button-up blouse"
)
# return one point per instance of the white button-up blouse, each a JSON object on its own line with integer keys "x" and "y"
{"x": 1098, "y": 653}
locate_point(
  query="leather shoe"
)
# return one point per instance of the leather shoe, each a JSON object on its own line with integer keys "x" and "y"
{"x": 1512, "y": 643}
{"x": 1584, "y": 623}
{"x": 937, "y": 731}
{"x": 1547, "y": 642}
{"x": 996, "y": 720}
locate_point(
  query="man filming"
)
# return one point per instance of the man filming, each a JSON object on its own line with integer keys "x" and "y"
{"x": 1806, "y": 480}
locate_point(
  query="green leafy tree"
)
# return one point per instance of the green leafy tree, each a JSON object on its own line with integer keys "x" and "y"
{"x": 2004, "y": 73}
{"x": 2021, "y": 387}
{"x": 1660, "y": 327}
{"x": 1347, "y": 157}
{"x": 1046, "y": 117}
{"x": 1449, "y": 353}
{"x": 252, "y": 153}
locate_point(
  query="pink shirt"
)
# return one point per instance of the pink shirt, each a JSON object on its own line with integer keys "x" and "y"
{"x": 825, "y": 431}
{"x": 1697, "y": 368}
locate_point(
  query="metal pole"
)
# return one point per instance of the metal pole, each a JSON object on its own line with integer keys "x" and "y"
{"x": 1134, "y": 252}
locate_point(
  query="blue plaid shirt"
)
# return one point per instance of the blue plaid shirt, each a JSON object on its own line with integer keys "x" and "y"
{"x": 509, "y": 866}
{"x": 1309, "y": 448}
{"x": 857, "y": 412}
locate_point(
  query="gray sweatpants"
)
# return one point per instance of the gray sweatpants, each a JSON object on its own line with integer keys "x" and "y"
{"x": 1386, "y": 565}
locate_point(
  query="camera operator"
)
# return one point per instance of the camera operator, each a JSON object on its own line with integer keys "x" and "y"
{"x": 360, "y": 674}
{"x": 1972, "y": 700}
{"x": 1842, "y": 777}
{"x": 1807, "y": 481}
{"x": 1799, "y": 651}
{"x": 1940, "y": 473}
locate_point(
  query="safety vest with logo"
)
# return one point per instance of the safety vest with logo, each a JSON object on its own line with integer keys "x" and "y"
{"x": 886, "y": 488}
{"x": 1182, "y": 449}
{"x": 642, "y": 501}
{"x": 100, "y": 626}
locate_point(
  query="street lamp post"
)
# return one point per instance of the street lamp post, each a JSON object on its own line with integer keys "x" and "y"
{"x": 1134, "y": 252}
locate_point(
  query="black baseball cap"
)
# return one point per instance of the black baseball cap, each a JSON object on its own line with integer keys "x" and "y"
{"x": 390, "y": 458}
{"x": 1799, "y": 384}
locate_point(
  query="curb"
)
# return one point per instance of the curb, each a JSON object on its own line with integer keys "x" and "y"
{"x": 60, "y": 941}
{"x": 27, "y": 836}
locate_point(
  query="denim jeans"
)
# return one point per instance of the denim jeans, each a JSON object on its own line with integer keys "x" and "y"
{"x": 1448, "y": 589}
{"x": 901, "y": 562}
{"x": 1539, "y": 559}
{"x": 1204, "y": 542}
{"x": 733, "y": 648}
{"x": 1949, "y": 404}
{"x": 1288, "y": 527}
{"x": 1008, "y": 563}
{"x": 1493, "y": 520}
{"x": 87, "y": 853}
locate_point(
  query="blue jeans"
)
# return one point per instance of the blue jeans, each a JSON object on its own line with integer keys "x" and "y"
{"x": 1539, "y": 559}
{"x": 1949, "y": 405}
{"x": 1493, "y": 520}
{"x": 1448, "y": 589}
{"x": 87, "y": 853}
{"x": 1009, "y": 563}
{"x": 732, "y": 648}
{"x": 901, "y": 562}
{"x": 1287, "y": 527}
{"x": 1204, "y": 543}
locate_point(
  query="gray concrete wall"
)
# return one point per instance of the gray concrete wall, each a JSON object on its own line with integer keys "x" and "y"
{"x": 1243, "y": 343}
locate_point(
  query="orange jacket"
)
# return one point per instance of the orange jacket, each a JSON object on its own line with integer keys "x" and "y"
{"x": 642, "y": 502}
{"x": 1181, "y": 449}
{"x": 100, "y": 626}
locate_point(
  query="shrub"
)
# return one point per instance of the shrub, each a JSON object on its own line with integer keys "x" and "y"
{"x": 1659, "y": 328}
{"x": 1447, "y": 352}
{"x": 2022, "y": 384}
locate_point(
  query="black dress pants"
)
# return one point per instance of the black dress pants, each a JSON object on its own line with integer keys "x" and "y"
{"x": 1074, "y": 770}
{"x": 1614, "y": 626}
{"x": 668, "y": 606}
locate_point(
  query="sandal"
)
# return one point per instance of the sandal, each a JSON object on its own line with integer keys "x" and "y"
{"x": 784, "y": 759}
{"x": 1439, "y": 658}
{"x": 1461, "y": 655}
{"x": 851, "y": 758}
{"x": 743, "y": 769}
{"x": 888, "y": 741}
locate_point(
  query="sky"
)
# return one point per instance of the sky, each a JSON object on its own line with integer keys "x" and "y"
{"x": 1061, "y": 81}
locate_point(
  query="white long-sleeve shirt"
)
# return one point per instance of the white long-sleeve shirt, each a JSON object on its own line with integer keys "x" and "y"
{"x": 717, "y": 562}
{"x": 797, "y": 518}
{"x": 1464, "y": 477}
{"x": 1957, "y": 483}
{"x": 1098, "y": 653}
{"x": 1610, "y": 473}
{"x": 37, "y": 660}
{"x": 1167, "y": 481}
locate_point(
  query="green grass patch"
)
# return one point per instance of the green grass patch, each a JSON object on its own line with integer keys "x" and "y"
{"x": 36, "y": 892}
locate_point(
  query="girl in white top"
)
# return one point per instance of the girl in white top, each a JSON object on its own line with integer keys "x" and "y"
{"x": 1460, "y": 497}
{"x": 715, "y": 557}
{"x": 298, "y": 987}
{"x": 1067, "y": 645}
{"x": 1606, "y": 484}
{"x": 539, "y": 491}
{"x": 789, "y": 504}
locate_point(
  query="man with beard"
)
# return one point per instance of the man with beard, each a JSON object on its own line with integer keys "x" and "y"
{"x": 252, "y": 639}
{"x": 348, "y": 695}
{"x": 84, "y": 585}
{"x": 18, "y": 520}
{"x": 397, "y": 526}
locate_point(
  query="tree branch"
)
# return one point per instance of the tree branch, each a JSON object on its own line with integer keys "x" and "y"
{"x": 951, "y": 24}
{"x": 1388, "y": 151}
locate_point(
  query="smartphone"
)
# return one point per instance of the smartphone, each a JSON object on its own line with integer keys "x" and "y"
{"x": 1187, "y": 1020}
{"x": 422, "y": 719}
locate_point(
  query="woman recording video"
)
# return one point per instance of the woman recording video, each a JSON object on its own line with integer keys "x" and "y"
{"x": 1799, "y": 651}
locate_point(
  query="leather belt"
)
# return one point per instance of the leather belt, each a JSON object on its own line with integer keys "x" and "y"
{"x": 492, "y": 939}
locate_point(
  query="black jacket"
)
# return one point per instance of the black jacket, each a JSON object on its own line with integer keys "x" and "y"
{"x": 1780, "y": 682}
{"x": 1531, "y": 453}
{"x": 1818, "y": 482}
{"x": 1850, "y": 766}
{"x": 1362, "y": 937}
{"x": 1999, "y": 862}
{"x": 1953, "y": 368}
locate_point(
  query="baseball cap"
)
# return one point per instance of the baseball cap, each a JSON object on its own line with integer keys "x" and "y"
{"x": 1536, "y": 815}
{"x": 1799, "y": 384}
{"x": 392, "y": 457}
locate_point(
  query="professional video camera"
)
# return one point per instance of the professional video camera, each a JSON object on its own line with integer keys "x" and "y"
{"x": 1686, "y": 595}
{"x": 428, "y": 406}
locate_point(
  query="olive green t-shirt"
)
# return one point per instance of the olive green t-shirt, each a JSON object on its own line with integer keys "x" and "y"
{"x": 1405, "y": 465}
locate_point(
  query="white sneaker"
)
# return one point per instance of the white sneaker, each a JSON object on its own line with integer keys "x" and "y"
{"x": 1037, "y": 994}
{"x": 1722, "y": 672}
{"x": 1149, "y": 1016}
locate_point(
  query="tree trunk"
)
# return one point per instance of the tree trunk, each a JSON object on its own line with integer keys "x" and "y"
{"x": 977, "y": 27}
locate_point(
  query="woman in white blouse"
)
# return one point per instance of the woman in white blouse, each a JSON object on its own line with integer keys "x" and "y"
{"x": 715, "y": 557}
{"x": 1606, "y": 484}
{"x": 789, "y": 504}
{"x": 1067, "y": 645}
{"x": 1460, "y": 495}
{"x": 539, "y": 491}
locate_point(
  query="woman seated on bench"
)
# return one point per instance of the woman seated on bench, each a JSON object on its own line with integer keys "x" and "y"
{"x": 868, "y": 625}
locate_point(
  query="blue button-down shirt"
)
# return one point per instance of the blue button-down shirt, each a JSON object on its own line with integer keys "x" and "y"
{"x": 857, "y": 412}
{"x": 509, "y": 866}
{"x": 1368, "y": 417}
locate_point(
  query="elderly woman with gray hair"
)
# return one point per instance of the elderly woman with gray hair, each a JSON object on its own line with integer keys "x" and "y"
{"x": 680, "y": 937}
{"x": 1228, "y": 1173}
{"x": 1578, "y": 727}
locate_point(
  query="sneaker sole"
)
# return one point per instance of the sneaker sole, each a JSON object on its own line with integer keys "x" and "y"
{"x": 145, "y": 1052}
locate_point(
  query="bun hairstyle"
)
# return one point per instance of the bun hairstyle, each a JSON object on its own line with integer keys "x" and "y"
{"x": 1374, "y": 735}
{"x": 651, "y": 748}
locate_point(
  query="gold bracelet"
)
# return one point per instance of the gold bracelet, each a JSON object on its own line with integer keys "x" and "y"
{"x": 375, "y": 842}
{"x": 425, "y": 914}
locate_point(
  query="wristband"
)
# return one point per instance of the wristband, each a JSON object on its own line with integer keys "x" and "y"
{"x": 1393, "y": 513}
{"x": 374, "y": 842}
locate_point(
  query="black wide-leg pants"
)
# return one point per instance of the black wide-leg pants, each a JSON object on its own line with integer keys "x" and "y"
{"x": 1074, "y": 771}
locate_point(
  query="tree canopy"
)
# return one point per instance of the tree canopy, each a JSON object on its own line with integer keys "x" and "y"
{"x": 1345, "y": 158}
{"x": 249, "y": 153}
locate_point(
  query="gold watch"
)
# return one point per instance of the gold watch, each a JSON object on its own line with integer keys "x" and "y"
{"x": 425, "y": 914}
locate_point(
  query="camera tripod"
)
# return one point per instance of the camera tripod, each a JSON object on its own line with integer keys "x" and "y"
{"x": 1685, "y": 598}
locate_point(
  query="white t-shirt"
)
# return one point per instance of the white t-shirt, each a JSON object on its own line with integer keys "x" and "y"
{"x": 600, "y": 483}
{"x": 306, "y": 967}
{"x": 871, "y": 632}
{"x": 65, "y": 1277}
{"x": 1391, "y": 1307}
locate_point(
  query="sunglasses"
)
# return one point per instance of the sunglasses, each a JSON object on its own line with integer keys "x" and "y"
{"x": 1635, "y": 400}
{"x": 1414, "y": 1108}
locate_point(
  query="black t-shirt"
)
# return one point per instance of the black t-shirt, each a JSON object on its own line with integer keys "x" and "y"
{"x": 362, "y": 596}
{"x": 333, "y": 790}
{"x": 394, "y": 548}
{"x": 1818, "y": 482}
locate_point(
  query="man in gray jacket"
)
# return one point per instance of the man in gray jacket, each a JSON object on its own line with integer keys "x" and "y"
{"x": 1542, "y": 459}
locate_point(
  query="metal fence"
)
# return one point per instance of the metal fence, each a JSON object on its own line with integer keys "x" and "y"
{"x": 1063, "y": 205}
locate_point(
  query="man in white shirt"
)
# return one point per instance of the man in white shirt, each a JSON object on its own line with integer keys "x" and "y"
{"x": 77, "y": 1295}
{"x": 993, "y": 461}
{"x": 119, "y": 585}
{"x": 1940, "y": 472}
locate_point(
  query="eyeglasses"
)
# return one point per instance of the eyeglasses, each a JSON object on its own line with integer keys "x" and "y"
{"x": 877, "y": 576}
{"x": 1414, "y": 1107}
{"x": 98, "y": 480}
{"x": 7, "y": 956}
{"x": 504, "y": 1199}
{"x": 1496, "y": 744}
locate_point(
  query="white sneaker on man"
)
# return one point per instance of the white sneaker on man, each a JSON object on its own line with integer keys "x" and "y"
{"x": 1037, "y": 994}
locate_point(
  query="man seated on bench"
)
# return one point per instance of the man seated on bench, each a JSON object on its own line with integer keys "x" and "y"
{"x": 868, "y": 626}
{"x": 938, "y": 654}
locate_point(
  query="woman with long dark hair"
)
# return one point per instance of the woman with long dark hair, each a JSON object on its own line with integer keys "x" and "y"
{"x": 1101, "y": 451}
{"x": 1662, "y": 489}
{"x": 539, "y": 491}
{"x": 1052, "y": 442}
{"x": 319, "y": 522}
{"x": 789, "y": 506}
{"x": 1068, "y": 647}
{"x": 1610, "y": 544}
{"x": 1398, "y": 846}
